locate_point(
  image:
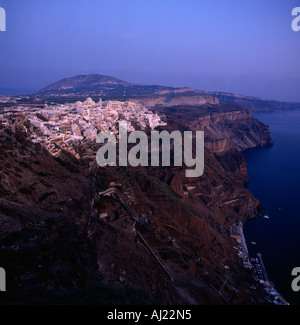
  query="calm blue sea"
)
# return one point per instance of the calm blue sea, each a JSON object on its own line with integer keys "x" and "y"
{"x": 274, "y": 175}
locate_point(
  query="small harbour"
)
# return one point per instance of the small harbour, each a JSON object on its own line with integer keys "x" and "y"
{"x": 256, "y": 265}
{"x": 260, "y": 274}
{"x": 274, "y": 178}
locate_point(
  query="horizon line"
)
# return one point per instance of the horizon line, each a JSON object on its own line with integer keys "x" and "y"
{"x": 31, "y": 91}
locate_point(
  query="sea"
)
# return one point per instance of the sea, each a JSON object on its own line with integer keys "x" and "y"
{"x": 274, "y": 179}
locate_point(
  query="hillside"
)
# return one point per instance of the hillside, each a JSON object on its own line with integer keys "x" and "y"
{"x": 118, "y": 235}
{"x": 92, "y": 81}
{"x": 94, "y": 85}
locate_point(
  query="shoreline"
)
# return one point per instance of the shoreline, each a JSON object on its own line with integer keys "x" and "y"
{"x": 253, "y": 263}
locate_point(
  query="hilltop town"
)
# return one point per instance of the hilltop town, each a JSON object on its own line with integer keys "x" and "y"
{"x": 64, "y": 126}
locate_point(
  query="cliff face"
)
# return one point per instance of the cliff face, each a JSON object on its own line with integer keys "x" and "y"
{"x": 239, "y": 128}
{"x": 224, "y": 128}
{"x": 186, "y": 221}
{"x": 157, "y": 237}
{"x": 44, "y": 207}
{"x": 218, "y": 145}
{"x": 176, "y": 99}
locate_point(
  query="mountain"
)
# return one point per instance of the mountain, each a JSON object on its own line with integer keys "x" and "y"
{"x": 81, "y": 82}
{"x": 95, "y": 85}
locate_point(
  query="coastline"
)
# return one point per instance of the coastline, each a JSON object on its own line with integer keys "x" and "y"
{"x": 256, "y": 265}
{"x": 278, "y": 238}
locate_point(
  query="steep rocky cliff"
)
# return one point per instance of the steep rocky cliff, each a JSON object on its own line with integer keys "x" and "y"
{"x": 225, "y": 126}
{"x": 175, "y": 99}
{"x": 156, "y": 237}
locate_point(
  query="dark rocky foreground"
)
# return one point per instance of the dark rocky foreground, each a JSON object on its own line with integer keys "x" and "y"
{"x": 156, "y": 238}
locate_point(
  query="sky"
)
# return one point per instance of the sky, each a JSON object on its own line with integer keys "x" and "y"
{"x": 246, "y": 47}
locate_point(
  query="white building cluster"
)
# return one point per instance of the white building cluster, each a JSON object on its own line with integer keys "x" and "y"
{"x": 60, "y": 126}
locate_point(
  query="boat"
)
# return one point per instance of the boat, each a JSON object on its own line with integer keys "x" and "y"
{"x": 266, "y": 217}
{"x": 253, "y": 243}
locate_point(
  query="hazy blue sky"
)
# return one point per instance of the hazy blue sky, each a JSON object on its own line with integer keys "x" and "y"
{"x": 240, "y": 46}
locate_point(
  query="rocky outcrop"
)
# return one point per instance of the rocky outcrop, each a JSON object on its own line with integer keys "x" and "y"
{"x": 176, "y": 100}
{"x": 239, "y": 128}
{"x": 218, "y": 145}
{"x": 224, "y": 126}
{"x": 177, "y": 185}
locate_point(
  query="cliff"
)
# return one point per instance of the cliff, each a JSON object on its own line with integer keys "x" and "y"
{"x": 224, "y": 126}
{"x": 157, "y": 238}
{"x": 176, "y": 99}
{"x": 239, "y": 128}
{"x": 117, "y": 235}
